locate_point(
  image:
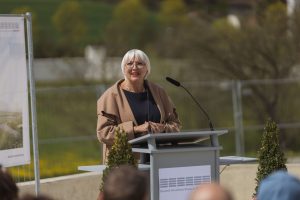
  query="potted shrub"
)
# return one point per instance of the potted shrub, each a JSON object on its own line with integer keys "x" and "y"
{"x": 120, "y": 154}
{"x": 270, "y": 155}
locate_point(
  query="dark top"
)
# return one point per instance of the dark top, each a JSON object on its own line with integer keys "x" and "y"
{"x": 143, "y": 107}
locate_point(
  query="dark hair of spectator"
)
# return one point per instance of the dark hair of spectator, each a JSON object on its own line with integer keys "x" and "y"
{"x": 8, "y": 187}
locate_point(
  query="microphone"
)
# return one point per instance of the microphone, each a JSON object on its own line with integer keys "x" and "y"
{"x": 176, "y": 83}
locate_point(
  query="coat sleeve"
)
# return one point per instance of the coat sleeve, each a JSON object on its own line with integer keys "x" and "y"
{"x": 109, "y": 120}
{"x": 172, "y": 123}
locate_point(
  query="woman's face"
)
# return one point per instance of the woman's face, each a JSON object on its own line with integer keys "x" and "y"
{"x": 135, "y": 70}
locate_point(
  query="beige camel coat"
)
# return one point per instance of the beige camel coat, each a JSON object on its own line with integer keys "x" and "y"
{"x": 113, "y": 111}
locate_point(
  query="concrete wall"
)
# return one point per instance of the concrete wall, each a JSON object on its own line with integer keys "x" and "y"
{"x": 239, "y": 179}
{"x": 58, "y": 69}
{"x": 76, "y": 187}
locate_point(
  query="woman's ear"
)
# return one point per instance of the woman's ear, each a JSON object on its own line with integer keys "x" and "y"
{"x": 146, "y": 74}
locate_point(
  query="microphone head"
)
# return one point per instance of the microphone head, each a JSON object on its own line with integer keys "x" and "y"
{"x": 174, "y": 82}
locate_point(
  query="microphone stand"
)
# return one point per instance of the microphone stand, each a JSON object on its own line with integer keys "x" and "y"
{"x": 176, "y": 83}
{"x": 212, "y": 138}
{"x": 202, "y": 109}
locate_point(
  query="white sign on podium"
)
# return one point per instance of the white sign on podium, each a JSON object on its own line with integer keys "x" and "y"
{"x": 178, "y": 182}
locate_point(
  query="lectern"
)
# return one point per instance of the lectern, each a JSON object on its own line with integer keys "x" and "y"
{"x": 179, "y": 161}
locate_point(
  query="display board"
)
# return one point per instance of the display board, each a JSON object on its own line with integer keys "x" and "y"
{"x": 14, "y": 112}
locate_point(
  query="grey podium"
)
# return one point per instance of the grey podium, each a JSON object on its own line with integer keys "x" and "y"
{"x": 179, "y": 161}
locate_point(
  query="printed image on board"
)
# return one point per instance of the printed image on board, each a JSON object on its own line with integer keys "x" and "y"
{"x": 14, "y": 125}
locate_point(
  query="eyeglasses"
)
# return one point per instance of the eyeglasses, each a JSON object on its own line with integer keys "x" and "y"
{"x": 138, "y": 65}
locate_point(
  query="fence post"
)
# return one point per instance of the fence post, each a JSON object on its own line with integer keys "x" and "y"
{"x": 238, "y": 117}
{"x": 33, "y": 105}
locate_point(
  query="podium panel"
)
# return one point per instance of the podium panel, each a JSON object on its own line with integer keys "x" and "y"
{"x": 179, "y": 161}
{"x": 181, "y": 186}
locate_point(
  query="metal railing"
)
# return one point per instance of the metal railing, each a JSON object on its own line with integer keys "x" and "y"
{"x": 67, "y": 118}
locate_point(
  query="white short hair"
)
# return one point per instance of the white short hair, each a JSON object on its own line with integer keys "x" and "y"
{"x": 140, "y": 55}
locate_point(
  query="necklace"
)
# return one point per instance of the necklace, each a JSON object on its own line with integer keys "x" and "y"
{"x": 126, "y": 87}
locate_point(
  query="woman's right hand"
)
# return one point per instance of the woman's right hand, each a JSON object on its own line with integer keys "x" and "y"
{"x": 141, "y": 128}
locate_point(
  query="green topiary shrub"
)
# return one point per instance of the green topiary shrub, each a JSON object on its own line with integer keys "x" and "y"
{"x": 120, "y": 154}
{"x": 270, "y": 155}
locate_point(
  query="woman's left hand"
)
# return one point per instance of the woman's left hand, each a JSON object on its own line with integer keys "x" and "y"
{"x": 157, "y": 127}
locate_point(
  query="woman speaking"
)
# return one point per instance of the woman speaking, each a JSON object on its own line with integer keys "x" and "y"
{"x": 134, "y": 104}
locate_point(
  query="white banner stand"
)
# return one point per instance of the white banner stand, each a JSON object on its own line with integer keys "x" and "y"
{"x": 13, "y": 40}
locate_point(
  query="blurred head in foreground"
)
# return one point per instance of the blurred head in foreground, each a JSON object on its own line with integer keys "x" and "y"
{"x": 211, "y": 191}
{"x": 279, "y": 186}
{"x": 125, "y": 183}
{"x": 8, "y": 188}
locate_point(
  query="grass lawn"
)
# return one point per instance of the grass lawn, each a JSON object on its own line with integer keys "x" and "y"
{"x": 66, "y": 120}
{"x": 59, "y": 159}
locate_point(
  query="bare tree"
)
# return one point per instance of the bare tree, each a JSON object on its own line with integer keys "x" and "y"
{"x": 261, "y": 51}
{"x": 266, "y": 48}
